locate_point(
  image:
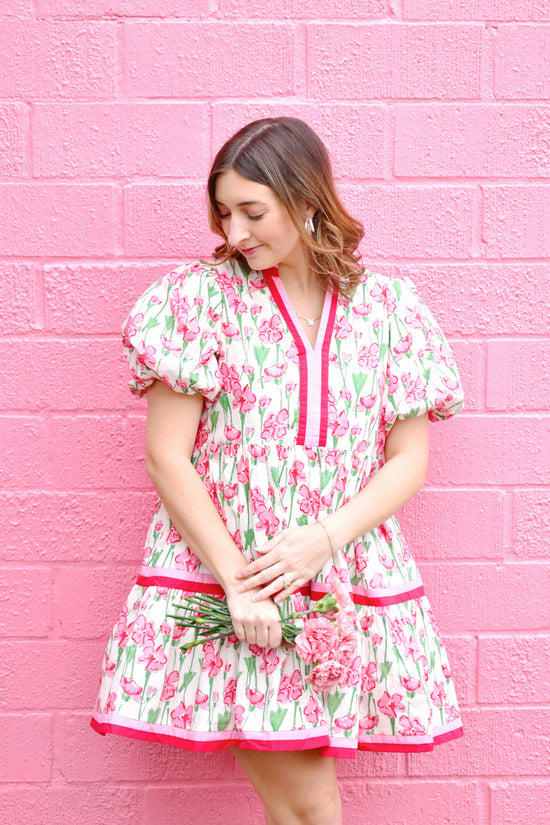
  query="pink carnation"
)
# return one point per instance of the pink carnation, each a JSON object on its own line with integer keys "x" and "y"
{"x": 316, "y": 641}
{"x": 345, "y": 649}
{"x": 341, "y": 594}
{"x": 346, "y": 618}
{"x": 326, "y": 675}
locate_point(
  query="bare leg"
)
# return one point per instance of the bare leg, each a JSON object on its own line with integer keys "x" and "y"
{"x": 296, "y": 787}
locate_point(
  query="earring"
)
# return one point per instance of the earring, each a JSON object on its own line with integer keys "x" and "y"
{"x": 310, "y": 229}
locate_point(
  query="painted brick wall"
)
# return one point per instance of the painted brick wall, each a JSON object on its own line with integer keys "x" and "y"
{"x": 437, "y": 114}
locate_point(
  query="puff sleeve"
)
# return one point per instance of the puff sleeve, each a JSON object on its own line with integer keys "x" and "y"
{"x": 171, "y": 333}
{"x": 422, "y": 374}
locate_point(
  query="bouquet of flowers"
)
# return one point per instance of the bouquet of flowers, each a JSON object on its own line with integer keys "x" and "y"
{"x": 326, "y": 639}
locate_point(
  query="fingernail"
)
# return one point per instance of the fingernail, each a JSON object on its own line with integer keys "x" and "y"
{"x": 241, "y": 589}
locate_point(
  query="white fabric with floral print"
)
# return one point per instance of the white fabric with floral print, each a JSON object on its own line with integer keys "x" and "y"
{"x": 288, "y": 433}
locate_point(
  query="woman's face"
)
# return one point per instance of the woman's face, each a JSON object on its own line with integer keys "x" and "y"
{"x": 256, "y": 222}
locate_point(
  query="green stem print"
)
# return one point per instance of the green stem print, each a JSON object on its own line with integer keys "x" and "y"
{"x": 182, "y": 335}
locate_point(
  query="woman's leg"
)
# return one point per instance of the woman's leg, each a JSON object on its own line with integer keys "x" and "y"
{"x": 296, "y": 787}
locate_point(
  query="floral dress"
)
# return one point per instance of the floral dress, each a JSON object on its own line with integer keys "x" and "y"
{"x": 289, "y": 432}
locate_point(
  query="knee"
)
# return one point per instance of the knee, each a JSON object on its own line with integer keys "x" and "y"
{"x": 325, "y": 809}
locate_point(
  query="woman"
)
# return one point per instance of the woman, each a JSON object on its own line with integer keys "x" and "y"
{"x": 288, "y": 402}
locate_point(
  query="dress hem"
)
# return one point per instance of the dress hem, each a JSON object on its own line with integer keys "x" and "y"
{"x": 327, "y": 745}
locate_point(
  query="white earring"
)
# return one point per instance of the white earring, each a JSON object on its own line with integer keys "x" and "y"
{"x": 310, "y": 229}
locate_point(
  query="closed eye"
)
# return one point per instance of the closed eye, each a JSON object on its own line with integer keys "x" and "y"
{"x": 222, "y": 217}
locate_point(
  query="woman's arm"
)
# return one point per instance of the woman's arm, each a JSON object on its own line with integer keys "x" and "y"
{"x": 172, "y": 423}
{"x": 401, "y": 477}
{"x": 301, "y": 552}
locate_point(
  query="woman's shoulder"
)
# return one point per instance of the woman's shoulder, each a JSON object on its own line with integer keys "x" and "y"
{"x": 196, "y": 278}
{"x": 217, "y": 274}
{"x": 378, "y": 289}
{"x": 371, "y": 280}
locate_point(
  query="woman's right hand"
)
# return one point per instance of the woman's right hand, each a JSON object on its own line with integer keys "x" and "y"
{"x": 256, "y": 623}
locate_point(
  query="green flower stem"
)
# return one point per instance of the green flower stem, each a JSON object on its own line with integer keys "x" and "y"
{"x": 210, "y": 618}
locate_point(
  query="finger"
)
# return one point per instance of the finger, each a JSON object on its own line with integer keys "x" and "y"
{"x": 250, "y": 635}
{"x": 277, "y": 590}
{"x": 262, "y": 636}
{"x": 268, "y": 591}
{"x": 284, "y": 594}
{"x": 239, "y": 631}
{"x": 253, "y": 568}
{"x": 271, "y": 544}
{"x": 267, "y": 576}
{"x": 275, "y": 636}
{"x": 256, "y": 567}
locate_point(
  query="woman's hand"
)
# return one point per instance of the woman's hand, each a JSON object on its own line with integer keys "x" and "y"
{"x": 289, "y": 560}
{"x": 257, "y": 623}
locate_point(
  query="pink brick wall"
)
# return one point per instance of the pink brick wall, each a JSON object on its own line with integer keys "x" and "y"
{"x": 437, "y": 113}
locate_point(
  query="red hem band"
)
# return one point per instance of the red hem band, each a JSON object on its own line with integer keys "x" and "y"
{"x": 319, "y": 742}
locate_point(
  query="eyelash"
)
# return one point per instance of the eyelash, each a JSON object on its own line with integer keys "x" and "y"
{"x": 250, "y": 217}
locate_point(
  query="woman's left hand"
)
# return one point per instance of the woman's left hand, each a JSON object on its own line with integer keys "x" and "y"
{"x": 289, "y": 560}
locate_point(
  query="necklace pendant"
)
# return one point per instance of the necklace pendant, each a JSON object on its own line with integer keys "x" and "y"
{"x": 310, "y": 322}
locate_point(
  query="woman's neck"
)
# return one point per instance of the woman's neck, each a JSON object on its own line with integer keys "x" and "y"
{"x": 299, "y": 279}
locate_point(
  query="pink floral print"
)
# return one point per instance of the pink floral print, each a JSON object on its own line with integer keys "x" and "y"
{"x": 229, "y": 335}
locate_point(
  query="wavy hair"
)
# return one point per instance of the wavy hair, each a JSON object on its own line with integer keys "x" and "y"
{"x": 285, "y": 154}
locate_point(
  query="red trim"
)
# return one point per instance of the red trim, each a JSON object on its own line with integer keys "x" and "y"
{"x": 312, "y": 590}
{"x": 212, "y": 744}
{"x": 397, "y": 747}
{"x": 317, "y": 593}
{"x": 190, "y": 586}
{"x": 325, "y": 350}
{"x": 180, "y": 584}
{"x": 319, "y": 742}
{"x": 448, "y": 736}
{"x": 382, "y": 601}
{"x": 269, "y": 277}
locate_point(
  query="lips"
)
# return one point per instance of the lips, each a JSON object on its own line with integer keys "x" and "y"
{"x": 250, "y": 250}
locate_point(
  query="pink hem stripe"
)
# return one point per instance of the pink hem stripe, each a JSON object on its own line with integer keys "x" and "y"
{"x": 176, "y": 575}
{"x": 448, "y": 736}
{"x": 361, "y": 596}
{"x": 373, "y": 598}
{"x": 205, "y": 741}
{"x": 327, "y": 747}
{"x": 382, "y": 601}
{"x": 422, "y": 747}
{"x": 180, "y": 584}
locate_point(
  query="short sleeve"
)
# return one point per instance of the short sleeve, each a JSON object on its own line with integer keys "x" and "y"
{"x": 422, "y": 375}
{"x": 171, "y": 333}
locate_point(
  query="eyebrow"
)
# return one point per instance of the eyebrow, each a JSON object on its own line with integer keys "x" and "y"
{"x": 244, "y": 203}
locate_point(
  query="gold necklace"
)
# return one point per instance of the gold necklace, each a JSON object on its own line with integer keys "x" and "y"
{"x": 309, "y": 321}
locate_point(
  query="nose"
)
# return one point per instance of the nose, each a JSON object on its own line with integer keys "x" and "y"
{"x": 237, "y": 231}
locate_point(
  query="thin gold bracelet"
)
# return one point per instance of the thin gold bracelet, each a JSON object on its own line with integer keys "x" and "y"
{"x": 328, "y": 537}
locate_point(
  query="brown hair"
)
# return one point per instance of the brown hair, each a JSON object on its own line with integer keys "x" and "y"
{"x": 285, "y": 154}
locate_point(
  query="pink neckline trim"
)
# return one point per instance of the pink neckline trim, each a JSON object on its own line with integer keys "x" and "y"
{"x": 314, "y": 361}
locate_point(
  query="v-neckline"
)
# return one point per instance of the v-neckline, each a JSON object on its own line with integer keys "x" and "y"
{"x": 278, "y": 291}
{"x": 313, "y": 361}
